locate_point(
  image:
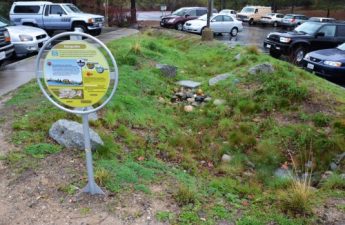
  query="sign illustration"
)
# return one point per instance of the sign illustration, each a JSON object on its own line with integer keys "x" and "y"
{"x": 76, "y": 73}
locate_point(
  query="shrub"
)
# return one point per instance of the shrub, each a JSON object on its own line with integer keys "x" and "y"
{"x": 185, "y": 196}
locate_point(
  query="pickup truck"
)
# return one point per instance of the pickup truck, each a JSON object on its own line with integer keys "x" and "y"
{"x": 6, "y": 48}
{"x": 55, "y": 16}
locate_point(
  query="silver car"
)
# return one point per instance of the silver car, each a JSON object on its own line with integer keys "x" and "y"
{"x": 293, "y": 20}
{"x": 26, "y": 39}
{"x": 273, "y": 19}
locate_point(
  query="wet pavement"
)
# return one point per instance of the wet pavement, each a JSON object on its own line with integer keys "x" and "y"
{"x": 18, "y": 73}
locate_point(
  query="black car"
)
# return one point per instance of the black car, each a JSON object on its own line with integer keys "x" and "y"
{"x": 327, "y": 62}
{"x": 309, "y": 36}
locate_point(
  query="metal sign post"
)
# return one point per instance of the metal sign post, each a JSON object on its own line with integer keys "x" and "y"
{"x": 76, "y": 74}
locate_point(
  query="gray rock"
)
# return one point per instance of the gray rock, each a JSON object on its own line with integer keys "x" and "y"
{"x": 340, "y": 157}
{"x": 167, "y": 70}
{"x": 218, "y": 102}
{"x": 250, "y": 164}
{"x": 342, "y": 176}
{"x": 238, "y": 56}
{"x": 189, "y": 83}
{"x": 91, "y": 116}
{"x": 70, "y": 134}
{"x": 226, "y": 158}
{"x": 218, "y": 78}
{"x": 266, "y": 68}
{"x": 333, "y": 166}
{"x": 207, "y": 99}
{"x": 283, "y": 173}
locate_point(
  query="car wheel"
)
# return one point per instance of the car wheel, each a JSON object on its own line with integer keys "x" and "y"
{"x": 297, "y": 55}
{"x": 251, "y": 22}
{"x": 96, "y": 32}
{"x": 275, "y": 24}
{"x": 179, "y": 26}
{"x": 275, "y": 54}
{"x": 234, "y": 32}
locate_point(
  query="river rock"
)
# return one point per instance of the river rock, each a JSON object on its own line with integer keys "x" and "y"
{"x": 213, "y": 81}
{"x": 70, "y": 135}
{"x": 167, "y": 70}
{"x": 283, "y": 173}
{"x": 188, "y": 108}
{"x": 92, "y": 116}
{"x": 218, "y": 102}
{"x": 189, "y": 83}
{"x": 226, "y": 158}
{"x": 265, "y": 68}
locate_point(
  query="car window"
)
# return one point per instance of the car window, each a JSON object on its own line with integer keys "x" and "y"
{"x": 341, "y": 31}
{"x": 256, "y": 10}
{"x": 227, "y": 18}
{"x": 328, "y": 30}
{"x": 56, "y": 9}
{"x": 191, "y": 12}
{"x": 201, "y": 12}
{"x": 280, "y": 16}
{"x": 218, "y": 18}
{"x": 26, "y": 9}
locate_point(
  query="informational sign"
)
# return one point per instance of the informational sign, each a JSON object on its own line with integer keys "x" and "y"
{"x": 76, "y": 73}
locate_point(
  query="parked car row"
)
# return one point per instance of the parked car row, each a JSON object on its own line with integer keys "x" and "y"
{"x": 32, "y": 22}
{"x": 302, "y": 46}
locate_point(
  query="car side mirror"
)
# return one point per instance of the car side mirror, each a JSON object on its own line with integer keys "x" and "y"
{"x": 320, "y": 34}
{"x": 213, "y": 20}
{"x": 60, "y": 13}
{"x": 186, "y": 16}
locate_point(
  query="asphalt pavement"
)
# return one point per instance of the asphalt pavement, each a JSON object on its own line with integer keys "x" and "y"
{"x": 18, "y": 73}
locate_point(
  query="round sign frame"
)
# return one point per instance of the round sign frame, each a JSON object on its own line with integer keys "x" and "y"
{"x": 113, "y": 74}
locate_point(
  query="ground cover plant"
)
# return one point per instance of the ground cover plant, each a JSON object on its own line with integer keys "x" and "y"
{"x": 289, "y": 119}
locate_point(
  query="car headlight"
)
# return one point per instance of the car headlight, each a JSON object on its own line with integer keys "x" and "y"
{"x": 307, "y": 57}
{"x": 332, "y": 63}
{"x": 284, "y": 39}
{"x": 91, "y": 20}
{"x": 24, "y": 37}
{"x": 7, "y": 36}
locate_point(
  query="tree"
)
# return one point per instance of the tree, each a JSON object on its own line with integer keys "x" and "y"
{"x": 133, "y": 12}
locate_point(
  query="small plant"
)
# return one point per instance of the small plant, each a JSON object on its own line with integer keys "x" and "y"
{"x": 252, "y": 50}
{"x": 136, "y": 48}
{"x": 69, "y": 189}
{"x": 164, "y": 216}
{"x": 321, "y": 120}
{"x": 42, "y": 149}
{"x": 335, "y": 181}
{"x": 185, "y": 196}
{"x": 102, "y": 176}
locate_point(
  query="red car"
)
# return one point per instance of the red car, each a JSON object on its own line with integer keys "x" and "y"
{"x": 180, "y": 16}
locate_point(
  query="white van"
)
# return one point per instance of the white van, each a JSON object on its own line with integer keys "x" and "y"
{"x": 253, "y": 14}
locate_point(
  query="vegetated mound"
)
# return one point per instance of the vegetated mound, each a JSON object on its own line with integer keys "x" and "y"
{"x": 261, "y": 121}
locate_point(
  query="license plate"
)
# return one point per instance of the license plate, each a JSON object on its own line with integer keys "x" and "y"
{"x": 2, "y": 55}
{"x": 310, "y": 66}
{"x": 268, "y": 46}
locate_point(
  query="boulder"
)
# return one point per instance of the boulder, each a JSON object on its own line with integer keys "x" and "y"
{"x": 167, "y": 70}
{"x": 189, "y": 83}
{"x": 70, "y": 135}
{"x": 265, "y": 68}
{"x": 218, "y": 78}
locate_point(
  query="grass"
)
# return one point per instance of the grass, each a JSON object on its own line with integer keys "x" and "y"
{"x": 264, "y": 119}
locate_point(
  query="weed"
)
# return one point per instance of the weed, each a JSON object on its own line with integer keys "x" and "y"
{"x": 42, "y": 149}
{"x": 143, "y": 188}
{"x": 164, "y": 216}
{"x": 320, "y": 119}
{"x": 69, "y": 189}
{"x": 335, "y": 181}
{"x": 185, "y": 196}
{"x": 84, "y": 211}
{"x": 102, "y": 176}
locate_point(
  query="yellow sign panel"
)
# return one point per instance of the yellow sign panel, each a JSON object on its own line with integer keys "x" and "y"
{"x": 76, "y": 73}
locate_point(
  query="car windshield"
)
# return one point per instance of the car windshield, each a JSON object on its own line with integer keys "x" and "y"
{"x": 247, "y": 10}
{"x": 180, "y": 12}
{"x": 341, "y": 47}
{"x": 270, "y": 14}
{"x": 308, "y": 27}
{"x": 72, "y": 8}
{"x": 288, "y": 17}
{"x": 4, "y": 22}
{"x": 204, "y": 17}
